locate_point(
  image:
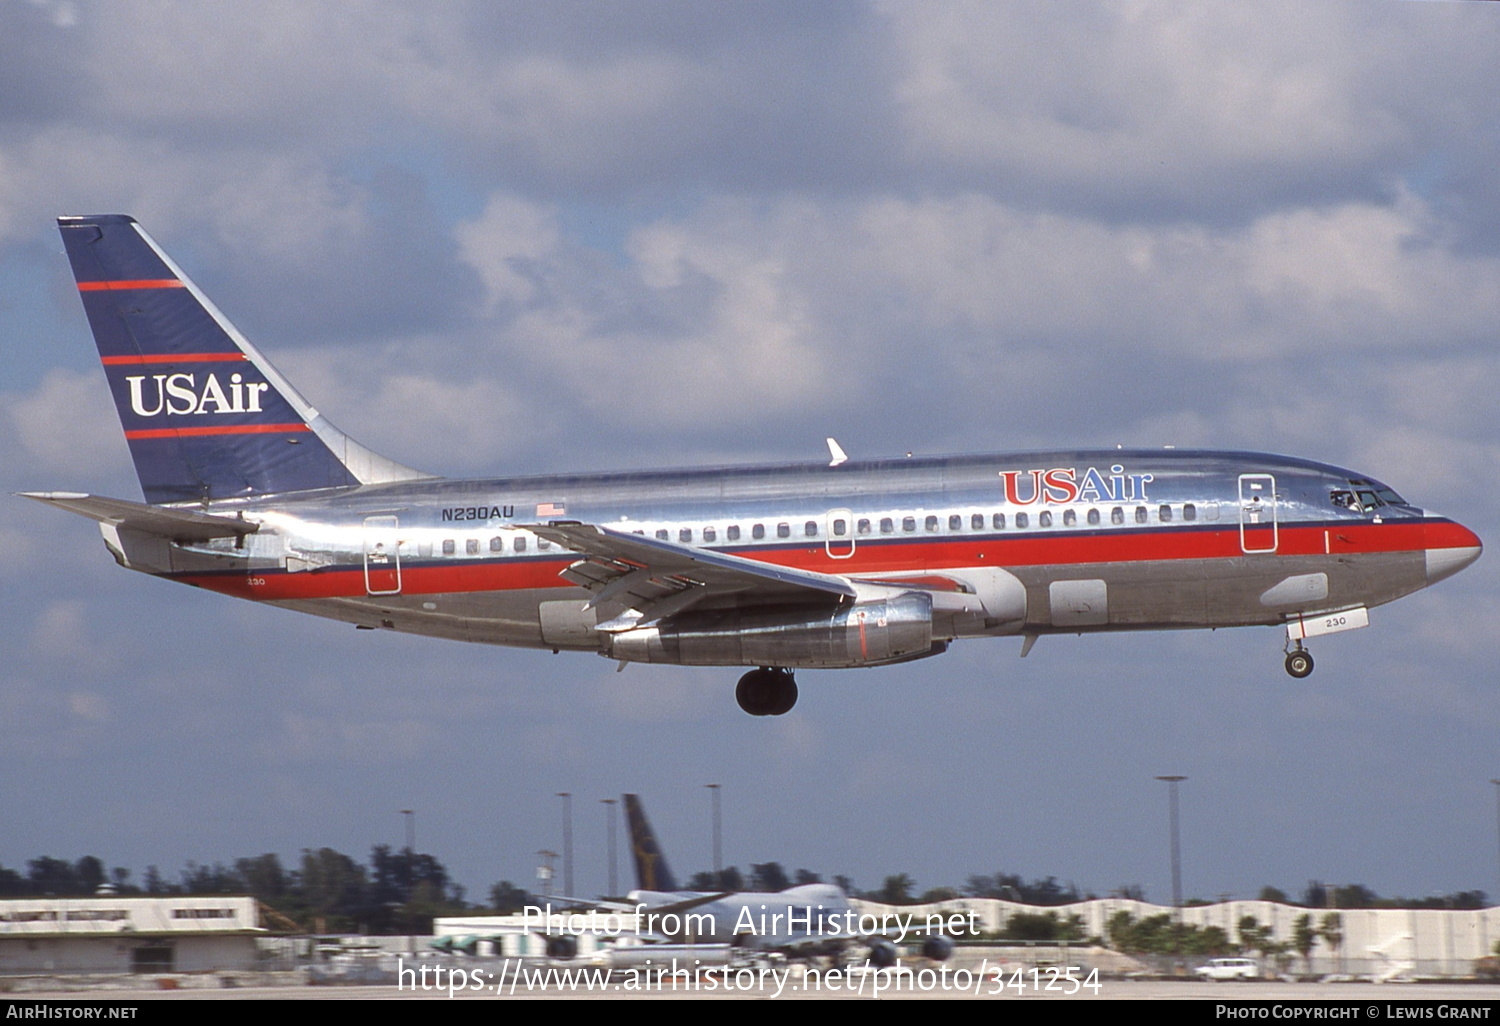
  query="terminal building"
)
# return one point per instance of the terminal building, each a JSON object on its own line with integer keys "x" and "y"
{"x": 1374, "y": 943}
{"x": 109, "y": 934}
{"x": 1378, "y": 944}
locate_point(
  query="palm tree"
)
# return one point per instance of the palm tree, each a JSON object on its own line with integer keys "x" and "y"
{"x": 1332, "y": 931}
{"x": 1304, "y": 937}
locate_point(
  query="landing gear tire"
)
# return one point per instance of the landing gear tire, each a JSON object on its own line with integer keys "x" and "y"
{"x": 1299, "y": 663}
{"x": 767, "y": 692}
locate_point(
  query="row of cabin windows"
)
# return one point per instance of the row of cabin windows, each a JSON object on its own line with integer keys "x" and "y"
{"x": 471, "y": 546}
{"x": 955, "y": 522}
{"x": 864, "y": 525}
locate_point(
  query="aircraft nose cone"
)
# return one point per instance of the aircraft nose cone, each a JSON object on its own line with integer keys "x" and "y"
{"x": 1450, "y": 548}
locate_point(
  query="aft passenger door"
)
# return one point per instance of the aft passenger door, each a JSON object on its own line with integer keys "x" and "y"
{"x": 382, "y": 556}
{"x": 1258, "y": 530}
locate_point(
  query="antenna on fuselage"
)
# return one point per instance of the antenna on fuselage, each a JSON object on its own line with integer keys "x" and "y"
{"x": 836, "y": 453}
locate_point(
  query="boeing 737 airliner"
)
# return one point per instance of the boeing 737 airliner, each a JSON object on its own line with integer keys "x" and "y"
{"x": 251, "y": 492}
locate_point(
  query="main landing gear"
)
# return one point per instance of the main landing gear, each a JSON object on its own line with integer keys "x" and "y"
{"x": 1299, "y": 662}
{"x": 767, "y": 691}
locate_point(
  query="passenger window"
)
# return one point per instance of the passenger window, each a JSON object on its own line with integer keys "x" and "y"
{"x": 811, "y": 528}
{"x": 783, "y": 530}
{"x": 955, "y": 522}
{"x": 471, "y": 546}
{"x": 1140, "y": 514}
{"x": 976, "y": 522}
{"x": 448, "y": 547}
{"x": 758, "y": 531}
{"x": 497, "y": 544}
{"x": 709, "y": 534}
{"x": 732, "y": 532}
{"x": 520, "y": 545}
{"x": 1189, "y": 511}
{"x": 1093, "y": 518}
{"x": 864, "y": 526}
{"x": 1117, "y": 516}
{"x": 1070, "y": 518}
{"x": 1044, "y": 519}
{"x": 839, "y": 526}
{"x": 886, "y": 527}
{"x": 999, "y": 522}
{"x": 685, "y": 534}
{"x": 661, "y": 534}
{"x": 908, "y": 524}
{"x": 1164, "y": 514}
{"x": 931, "y": 523}
{"x": 1022, "y": 519}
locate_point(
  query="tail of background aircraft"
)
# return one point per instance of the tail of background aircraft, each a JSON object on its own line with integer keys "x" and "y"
{"x": 206, "y": 416}
{"x": 651, "y": 870}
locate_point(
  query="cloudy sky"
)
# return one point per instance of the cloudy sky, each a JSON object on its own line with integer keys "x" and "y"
{"x": 492, "y": 238}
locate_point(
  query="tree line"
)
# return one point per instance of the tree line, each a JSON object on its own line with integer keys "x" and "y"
{"x": 327, "y": 892}
{"x": 401, "y": 891}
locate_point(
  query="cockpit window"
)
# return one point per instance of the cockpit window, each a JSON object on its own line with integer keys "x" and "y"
{"x": 1344, "y": 500}
{"x": 1373, "y": 493}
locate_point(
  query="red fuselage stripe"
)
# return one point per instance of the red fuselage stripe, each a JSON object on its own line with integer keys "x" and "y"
{"x": 111, "y": 361}
{"x": 222, "y": 429}
{"x": 870, "y": 560}
{"x": 139, "y": 283}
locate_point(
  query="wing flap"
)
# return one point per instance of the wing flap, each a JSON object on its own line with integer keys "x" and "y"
{"x": 636, "y": 579}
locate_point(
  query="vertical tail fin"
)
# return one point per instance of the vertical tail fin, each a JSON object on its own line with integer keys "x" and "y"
{"x": 651, "y": 870}
{"x": 205, "y": 415}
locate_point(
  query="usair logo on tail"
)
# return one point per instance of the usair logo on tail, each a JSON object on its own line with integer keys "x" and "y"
{"x": 180, "y": 394}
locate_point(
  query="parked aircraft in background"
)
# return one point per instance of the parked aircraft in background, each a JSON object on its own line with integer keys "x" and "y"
{"x": 806, "y": 920}
{"x": 251, "y": 492}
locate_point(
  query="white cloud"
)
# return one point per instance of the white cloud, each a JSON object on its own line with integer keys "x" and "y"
{"x": 1202, "y": 103}
{"x": 63, "y": 636}
{"x": 504, "y": 246}
{"x": 66, "y": 426}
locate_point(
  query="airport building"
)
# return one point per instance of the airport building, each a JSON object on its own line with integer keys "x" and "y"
{"x": 1384, "y": 944}
{"x": 108, "y": 934}
{"x": 1390, "y": 943}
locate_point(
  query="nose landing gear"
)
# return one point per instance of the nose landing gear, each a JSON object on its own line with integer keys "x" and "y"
{"x": 767, "y": 691}
{"x": 1299, "y": 662}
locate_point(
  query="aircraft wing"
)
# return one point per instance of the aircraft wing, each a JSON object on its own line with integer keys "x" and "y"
{"x": 636, "y": 579}
{"x": 168, "y": 522}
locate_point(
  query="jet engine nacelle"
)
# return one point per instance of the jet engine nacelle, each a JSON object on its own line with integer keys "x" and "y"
{"x": 868, "y": 633}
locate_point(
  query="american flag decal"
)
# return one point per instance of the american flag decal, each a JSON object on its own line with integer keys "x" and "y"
{"x": 550, "y": 509}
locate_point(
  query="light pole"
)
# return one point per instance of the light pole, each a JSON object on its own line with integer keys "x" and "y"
{"x": 567, "y": 797}
{"x": 411, "y": 830}
{"x": 610, "y": 818}
{"x": 714, "y": 789}
{"x": 1172, "y": 782}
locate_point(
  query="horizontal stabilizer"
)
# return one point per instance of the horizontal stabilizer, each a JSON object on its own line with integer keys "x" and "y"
{"x": 176, "y": 524}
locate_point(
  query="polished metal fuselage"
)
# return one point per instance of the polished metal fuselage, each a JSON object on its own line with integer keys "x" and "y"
{"x": 1049, "y": 542}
